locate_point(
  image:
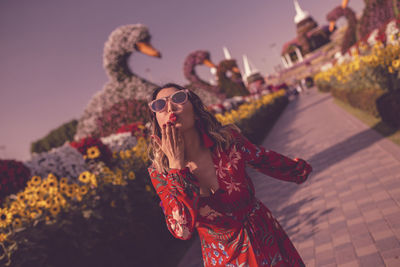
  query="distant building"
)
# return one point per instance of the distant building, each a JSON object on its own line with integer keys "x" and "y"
{"x": 309, "y": 37}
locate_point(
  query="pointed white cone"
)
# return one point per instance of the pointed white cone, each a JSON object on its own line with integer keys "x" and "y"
{"x": 247, "y": 70}
{"x": 252, "y": 67}
{"x": 226, "y": 53}
{"x": 300, "y": 13}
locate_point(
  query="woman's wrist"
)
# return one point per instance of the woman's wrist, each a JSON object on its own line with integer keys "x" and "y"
{"x": 176, "y": 165}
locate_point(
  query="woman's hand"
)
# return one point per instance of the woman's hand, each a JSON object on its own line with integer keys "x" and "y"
{"x": 172, "y": 145}
{"x": 303, "y": 167}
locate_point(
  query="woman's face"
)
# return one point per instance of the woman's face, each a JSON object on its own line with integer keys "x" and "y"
{"x": 183, "y": 112}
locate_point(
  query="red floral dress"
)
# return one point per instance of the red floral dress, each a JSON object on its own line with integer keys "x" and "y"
{"x": 234, "y": 227}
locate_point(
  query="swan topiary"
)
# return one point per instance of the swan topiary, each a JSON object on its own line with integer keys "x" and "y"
{"x": 208, "y": 93}
{"x": 230, "y": 79}
{"x": 123, "y": 84}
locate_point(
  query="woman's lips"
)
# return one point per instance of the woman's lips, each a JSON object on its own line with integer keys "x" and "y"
{"x": 172, "y": 118}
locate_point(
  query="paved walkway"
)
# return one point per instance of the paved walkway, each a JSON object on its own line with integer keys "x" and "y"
{"x": 348, "y": 212}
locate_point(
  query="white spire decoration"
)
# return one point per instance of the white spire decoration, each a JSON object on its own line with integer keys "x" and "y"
{"x": 226, "y": 53}
{"x": 300, "y": 13}
{"x": 252, "y": 67}
{"x": 247, "y": 70}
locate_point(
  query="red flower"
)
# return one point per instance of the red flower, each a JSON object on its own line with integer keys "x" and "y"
{"x": 84, "y": 144}
{"x": 13, "y": 176}
{"x": 136, "y": 129}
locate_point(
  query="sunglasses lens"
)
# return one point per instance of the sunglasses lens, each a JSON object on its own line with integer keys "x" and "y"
{"x": 158, "y": 104}
{"x": 179, "y": 97}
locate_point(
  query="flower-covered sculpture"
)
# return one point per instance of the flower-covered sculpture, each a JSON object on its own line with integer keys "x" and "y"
{"x": 350, "y": 37}
{"x": 376, "y": 14}
{"x": 370, "y": 28}
{"x": 208, "y": 93}
{"x": 120, "y": 114}
{"x": 392, "y": 33}
{"x": 230, "y": 80}
{"x": 120, "y": 141}
{"x": 123, "y": 84}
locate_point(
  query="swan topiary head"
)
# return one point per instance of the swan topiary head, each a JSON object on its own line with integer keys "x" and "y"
{"x": 121, "y": 43}
{"x": 199, "y": 57}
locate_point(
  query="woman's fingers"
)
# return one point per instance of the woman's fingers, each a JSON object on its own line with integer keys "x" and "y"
{"x": 169, "y": 134}
{"x": 174, "y": 136}
{"x": 179, "y": 138}
{"x": 163, "y": 133}
{"x": 157, "y": 140}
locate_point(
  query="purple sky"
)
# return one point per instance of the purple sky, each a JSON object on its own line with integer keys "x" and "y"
{"x": 51, "y": 51}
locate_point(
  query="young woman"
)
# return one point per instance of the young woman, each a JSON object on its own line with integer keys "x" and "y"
{"x": 199, "y": 174}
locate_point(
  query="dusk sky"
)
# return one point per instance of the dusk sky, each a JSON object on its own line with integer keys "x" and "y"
{"x": 51, "y": 51}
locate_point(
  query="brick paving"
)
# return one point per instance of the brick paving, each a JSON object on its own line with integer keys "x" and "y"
{"x": 348, "y": 212}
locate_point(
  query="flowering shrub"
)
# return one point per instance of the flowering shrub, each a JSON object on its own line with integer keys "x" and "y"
{"x": 135, "y": 128}
{"x": 64, "y": 161}
{"x": 247, "y": 110}
{"x": 119, "y": 141}
{"x": 73, "y": 209}
{"x": 378, "y": 69}
{"x": 248, "y": 116}
{"x": 229, "y": 104}
{"x": 13, "y": 177}
{"x": 55, "y": 138}
{"x": 93, "y": 149}
{"x": 369, "y": 81}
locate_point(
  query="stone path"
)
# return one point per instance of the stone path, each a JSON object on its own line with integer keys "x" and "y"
{"x": 348, "y": 212}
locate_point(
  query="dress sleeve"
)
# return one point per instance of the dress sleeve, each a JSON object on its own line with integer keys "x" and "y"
{"x": 272, "y": 163}
{"x": 179, "y": 194}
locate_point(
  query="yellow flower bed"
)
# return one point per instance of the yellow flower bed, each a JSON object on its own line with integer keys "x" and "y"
{"x": 247, "y": 110}
{"x": 385, "y": 56}
{"x": 45, "y": 198}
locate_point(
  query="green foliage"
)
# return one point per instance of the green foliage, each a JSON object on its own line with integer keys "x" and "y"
{"x": 389, "y": 108}
{"x": 323, "y": 85}
{"x": 362, "y": 99}
{"x": 55, "y": 138}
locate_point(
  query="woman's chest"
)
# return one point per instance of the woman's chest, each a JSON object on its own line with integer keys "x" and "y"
{"x": 235, "y": 191}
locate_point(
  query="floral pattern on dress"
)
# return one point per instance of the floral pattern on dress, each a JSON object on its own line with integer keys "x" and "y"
{"x": 209, "y": 213}
{"x": 179, "y": 223}
{"x": 234, "y": 227}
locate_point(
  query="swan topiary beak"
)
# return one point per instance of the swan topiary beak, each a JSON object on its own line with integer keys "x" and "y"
{"x": 208, "y": 63}
{"x": 331, "y": 26}
{"x": 147, "y": 49}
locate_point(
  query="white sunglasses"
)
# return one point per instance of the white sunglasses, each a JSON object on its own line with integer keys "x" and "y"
{"x": 160, "y": 104}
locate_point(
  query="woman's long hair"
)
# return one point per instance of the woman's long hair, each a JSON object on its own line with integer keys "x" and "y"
{"x": 221, "y": 135}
